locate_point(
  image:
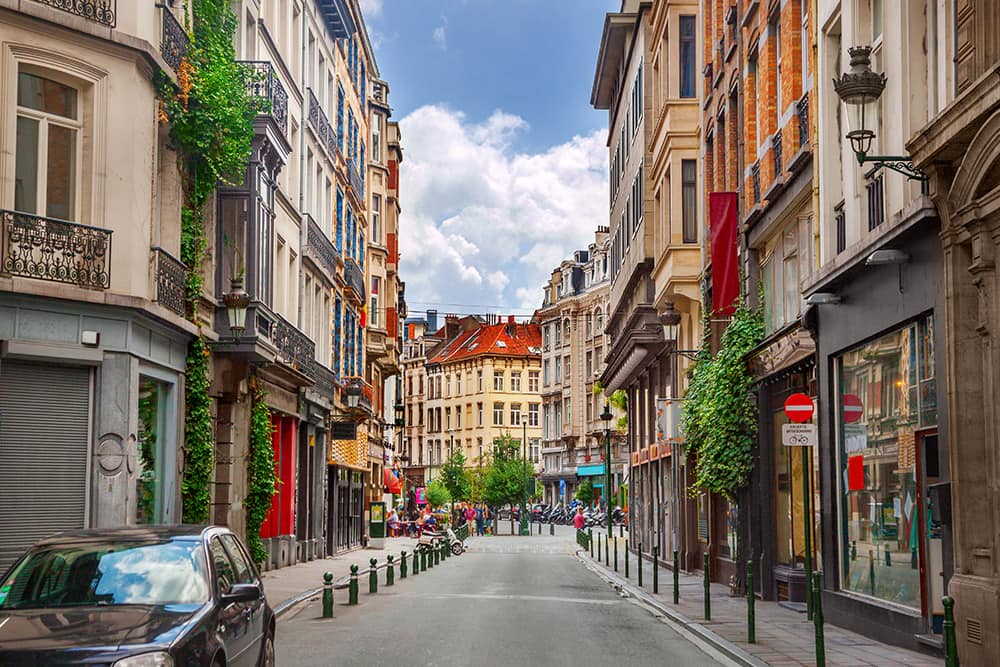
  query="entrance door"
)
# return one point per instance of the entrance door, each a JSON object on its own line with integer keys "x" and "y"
{"x": 930, "y": 535}
{"x": 44, "y": 446}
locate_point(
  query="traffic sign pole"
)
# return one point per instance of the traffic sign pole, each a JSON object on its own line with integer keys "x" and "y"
{"x": 799, "y": 408}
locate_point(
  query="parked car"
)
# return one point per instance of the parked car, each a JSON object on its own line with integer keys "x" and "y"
{"x": 157, "y": 596}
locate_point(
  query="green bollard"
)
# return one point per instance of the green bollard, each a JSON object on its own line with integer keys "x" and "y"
{"x": 426, "y": 560}
{"x": 417, "y": 566}
{"x": 590, "y": 541}
{"x": 888, "y": 557}
{"x": 327, "y": 595}
{"x": 854, "y": 550}
{"x": 871, "y": 571}
{"x": 950, "y": 645}
{"x": 616, "y": 553}
{"x": 607, "y": 552}
{"x": 352, "y": 589}
{"x": 621, "y": 530}
{"x": 818, "y": 620}
{"x": 677, "y": 578}
{"x": 751, "y": 619}
{"x": 552, "y": 529}
{"x": 656, "y": 569}
{"x": 437, "y": 556}
{"x": 390, "y": 574}
{"x": 708, "y": 589}
{"x": 638, "y": 562}
{"x": 402, "y": 565}
{"x": 626, "y": 559}
{"x": 373, "y": 576}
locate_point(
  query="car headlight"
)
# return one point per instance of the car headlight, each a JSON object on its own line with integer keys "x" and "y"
{"x": 157, "y": 659}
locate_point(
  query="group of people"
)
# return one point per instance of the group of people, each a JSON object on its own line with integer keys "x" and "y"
{"x": 413, "y": 524}
{"x": 477, "y": 514}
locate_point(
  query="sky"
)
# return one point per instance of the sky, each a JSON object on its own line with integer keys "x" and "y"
{"x": 504, "y": 169}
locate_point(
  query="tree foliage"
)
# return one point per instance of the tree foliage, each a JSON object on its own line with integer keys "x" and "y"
{"x": 504, "y": 480}
{"x": 719, "y": 415}
{"x": 437, "y": 494}
{"x": 456, "y": 477}
{"x": 585, "y": 492}
{"x": 199, "y": 437}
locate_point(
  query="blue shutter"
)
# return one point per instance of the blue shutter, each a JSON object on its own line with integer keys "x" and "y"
{"x": 361, "y": 250}
{"x": 340, "y": 222}
{"x": 340, "y": 117}
{"x": 338, "y": 353}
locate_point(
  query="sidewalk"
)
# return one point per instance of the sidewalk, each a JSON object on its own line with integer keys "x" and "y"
{"x": 287, "y": 586}
{"x": 784, "y": 637}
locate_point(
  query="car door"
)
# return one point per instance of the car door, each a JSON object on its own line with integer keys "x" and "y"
{"x": 234, "y": 617}
{"x": 246, "y": 574}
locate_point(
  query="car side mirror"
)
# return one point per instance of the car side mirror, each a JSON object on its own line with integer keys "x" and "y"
{"x": 242, "y": 593}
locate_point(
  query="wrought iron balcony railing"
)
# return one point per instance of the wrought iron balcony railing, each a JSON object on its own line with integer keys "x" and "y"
{"x": 840, "y": 218}
{"x": 294, "y": 347}
{"x": 43, "y": 248}
{"x": 776, "y": 154}
{"x": 325, "y": 380}
{"x": 171, "y": 282}
{"x": 174, "y": 42}
{"x": 266, "y": 91}
{"x": 322, "y": 248}
{"x": 355, "y": 278}
{"x": 876, "y": 198}
{"x": 355, "y": 179}
{"x": 102, "y": 11}
{"x": 755, "y": 182}
{"x": 320, "y": 124}
{"x": 803, "y": 112}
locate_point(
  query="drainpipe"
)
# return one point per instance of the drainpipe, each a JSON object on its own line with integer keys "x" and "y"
{"x": 303, "y": 229}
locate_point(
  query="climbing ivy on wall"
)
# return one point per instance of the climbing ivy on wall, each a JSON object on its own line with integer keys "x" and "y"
{"x": 719, "y": 415}
{"x": 211, "y": 127}
{"x": 262, "y": 479}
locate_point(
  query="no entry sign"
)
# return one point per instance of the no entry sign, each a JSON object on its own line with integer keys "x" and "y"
{"x": 799, "y": 408}
{"x": 852, "y": 408}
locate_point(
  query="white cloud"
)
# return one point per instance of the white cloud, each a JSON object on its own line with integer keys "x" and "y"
{"x": 484, "y": 224}
{"x": 371, "y": 8}
{"x": 440, "y": 37}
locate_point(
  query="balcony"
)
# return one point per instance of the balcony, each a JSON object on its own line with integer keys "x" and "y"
{"x": 367, "y": 399}
{"x": 171, "y": 281}
{"x": 33, "y": 246}
{"x": 355, "y": 279}
{"x": 802, "y": 110}
{"x": 101, "y": 11}
{"x": 320, "y": 248}
{"x": 776, "y": 154}
{"x": 268, "y": 339}
{"x": 326, "y": 381}
{"x": 755, "y": 181}
{"x": 295, "y": 349}
{"x": 174, "y": 41}
{"x": 325, "y": 134}
{"x": 354, "y": 177}
{"x": 266, "y": 91}
{"x": 876, "y": 198}
{"x": 337, "y": 18}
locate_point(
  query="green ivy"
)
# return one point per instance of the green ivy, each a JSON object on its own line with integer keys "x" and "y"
{"x": 262, "y": 478}
{"x": 199, "y": 440}
{"x": 719, "y": 415}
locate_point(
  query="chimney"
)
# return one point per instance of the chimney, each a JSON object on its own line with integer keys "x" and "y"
{"x": 432, "y": 321}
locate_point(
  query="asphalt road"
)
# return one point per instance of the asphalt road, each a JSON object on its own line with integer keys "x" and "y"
{"x": 507, "y": 601}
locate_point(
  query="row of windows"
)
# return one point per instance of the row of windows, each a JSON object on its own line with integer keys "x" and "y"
{"x": 439, "y": 420}
{"x": 631, "y": 122}
{"x": 451, "y": 385}
{"x": 435, "y": 449}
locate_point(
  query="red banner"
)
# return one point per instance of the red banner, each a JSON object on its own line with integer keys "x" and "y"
{"x": 722, "y": 207}
{"x": 855, "y": 473}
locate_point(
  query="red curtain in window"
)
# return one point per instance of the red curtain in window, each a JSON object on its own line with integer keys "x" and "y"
{"x": 725, "y": 256}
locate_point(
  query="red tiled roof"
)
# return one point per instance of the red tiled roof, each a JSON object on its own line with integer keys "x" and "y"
{"x": 491, "y": 340}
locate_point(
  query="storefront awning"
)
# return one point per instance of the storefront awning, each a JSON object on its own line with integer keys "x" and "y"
{"x": 590, "y": 471}
{"x": 391, "y": 482}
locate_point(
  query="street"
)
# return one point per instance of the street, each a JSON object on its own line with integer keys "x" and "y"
{"x": 506, "y": 601}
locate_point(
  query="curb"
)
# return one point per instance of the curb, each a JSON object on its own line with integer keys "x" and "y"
{"x": 701, "y": 632}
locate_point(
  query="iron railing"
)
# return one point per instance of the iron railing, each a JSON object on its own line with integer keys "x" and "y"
{"x": 876, "y": 198}
{"x": 102, "y": 11}
{"x": 840, "y": 219}
{"x": 171, "y": 282}
{"x": 355, "y": 179}
{"x": 755, "y": 182}
{"x": 294, "y": 347}
{"x": 58, "y": 251}
{"x": 325, "y": 380}
{"x": 322, "y": 247}
{"x": 776, "y": 154}
{"x": 355, "y": 278}
{"x": 174, "y": 41}
{"x": 266, "y": 91}
{"x": 320, "y": 124}
{"x": 803, "y": 112}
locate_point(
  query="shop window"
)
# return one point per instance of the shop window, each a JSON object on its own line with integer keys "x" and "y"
{"x": 887, "y": 402}
{"x": 155, "y": 419}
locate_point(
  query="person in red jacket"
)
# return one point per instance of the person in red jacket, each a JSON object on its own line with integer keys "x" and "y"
{"x": 578, "y": 520}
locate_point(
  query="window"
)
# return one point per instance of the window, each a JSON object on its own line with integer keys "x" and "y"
{"x": 545, "y": 338}
{"x": 558, "y": 369}
{"x": 479, "y": 411}
{"x": 533, "y": 382}
{"x": 515, "y": 381}
{"x": 567, "y": 412}
{"x": 48, "y": 152}
{"x": 376, "y": 137}
{"x": 458, "y": 417}
{"x": 479, "y": 380}
{"x": 377, "y": 220}
{"x": 497, "y": 380}
{"x": 515, "y": 414}
{"x": 546, "y": 422}
{"x": 687, "y": 56}
{"x": 774, "y": 39}
{"x": 590, "y": 364}
{"x": 545, "y": 368}
{"x": 558, "y": 334}
{"x": 447, "y": 418}
{"x": 533, "y": 414}
{"x": 498, "y": 414}
{"x": 600, "y": 324}
{"x": 566, "y": 329}
{"x": 689, "y": 200}
{"x": 458, "y": 384}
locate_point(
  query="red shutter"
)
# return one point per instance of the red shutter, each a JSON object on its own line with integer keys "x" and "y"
{"x": 393, "y": 245}
{"x": 393, "y": 174}
{"x": 391, "y": 322}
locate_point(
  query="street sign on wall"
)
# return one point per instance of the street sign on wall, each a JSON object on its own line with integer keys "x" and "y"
{"x": 798, "y": 435}
{"x": 799, "y": 408}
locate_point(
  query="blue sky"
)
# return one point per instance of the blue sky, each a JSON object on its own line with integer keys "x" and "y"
{"x": 505, "y": 164}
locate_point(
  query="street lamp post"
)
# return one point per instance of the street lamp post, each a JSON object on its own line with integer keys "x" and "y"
{"x": 524, "y": 478}
{"x": 606, "y": 418}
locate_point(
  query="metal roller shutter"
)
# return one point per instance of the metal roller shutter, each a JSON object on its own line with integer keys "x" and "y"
{"x": 44, "y": 437}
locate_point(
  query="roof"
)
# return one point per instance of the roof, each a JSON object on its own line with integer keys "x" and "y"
{"x": 129, "y": 533}
{"x": 494, "y": 340}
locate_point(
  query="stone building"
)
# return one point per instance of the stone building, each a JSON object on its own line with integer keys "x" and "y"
{"x": 419, "y": 335}
{"x": 572, "y": 317}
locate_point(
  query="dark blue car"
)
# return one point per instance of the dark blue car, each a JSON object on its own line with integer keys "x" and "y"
{"x": 136, "y": 597}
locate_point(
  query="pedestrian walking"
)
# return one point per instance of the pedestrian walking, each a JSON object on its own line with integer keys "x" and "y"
{"x": 578, "y": 520}
{"x": 488, "y": 516}
{"x": 470, "y": 515}
{"x": 480, "y": 521}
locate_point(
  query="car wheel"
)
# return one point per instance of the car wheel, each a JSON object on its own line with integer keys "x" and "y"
{"x": 456, "y": 548}
{"x": 267, "y": 651}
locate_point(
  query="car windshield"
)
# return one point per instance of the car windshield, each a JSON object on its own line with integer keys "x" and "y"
{"x": 153, "y": 573}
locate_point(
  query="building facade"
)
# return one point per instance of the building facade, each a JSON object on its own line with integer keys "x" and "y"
{"x": 572, "y": 318}
{"x": 418, "y": 336}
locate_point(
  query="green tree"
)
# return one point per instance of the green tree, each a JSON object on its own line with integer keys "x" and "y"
{"x": 456, "y": 477}
{"x": 437, "y": 494}
{"x": 585, "y": 492}
{"x": 504, "y": 480}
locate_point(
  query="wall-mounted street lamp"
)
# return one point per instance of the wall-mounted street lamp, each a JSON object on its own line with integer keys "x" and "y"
{"x": 859, "y": 88}
{"x": 352, "y": 394}
{"x": 670, "y": 320}
{"x": 236, "y": 300}
{"x": 398, "y": 410}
